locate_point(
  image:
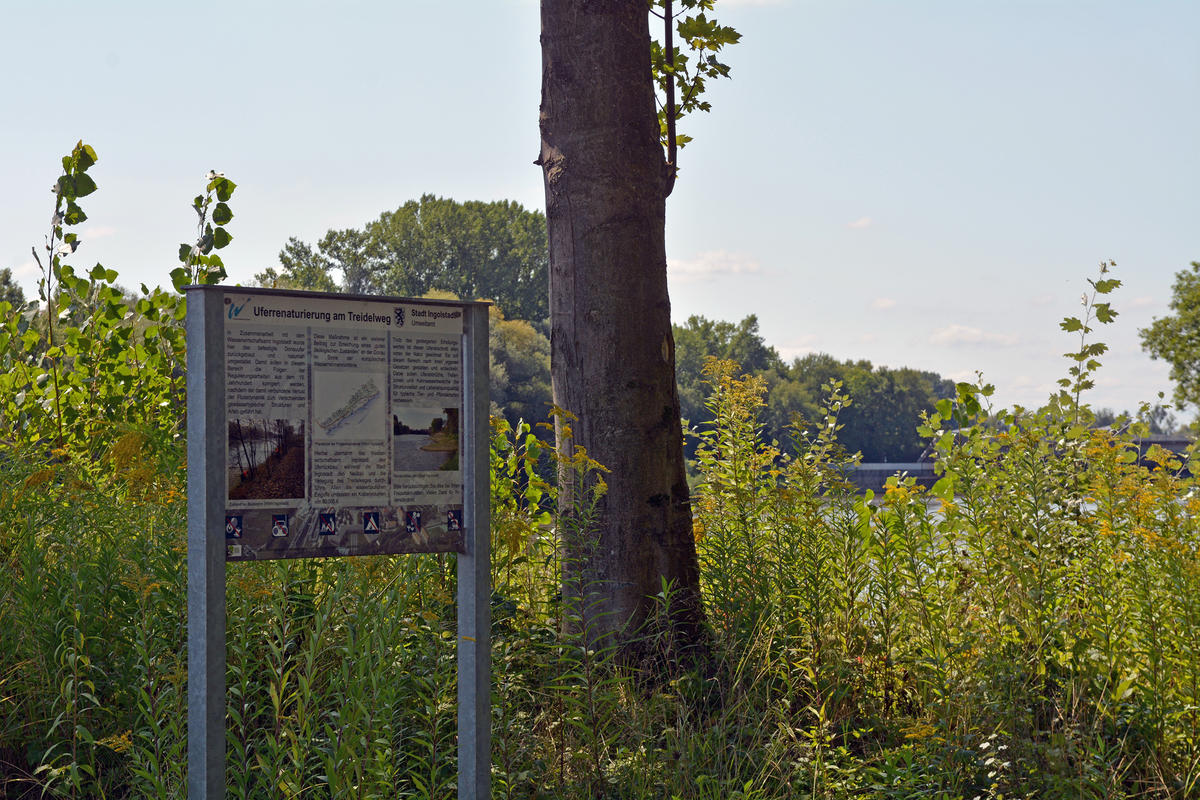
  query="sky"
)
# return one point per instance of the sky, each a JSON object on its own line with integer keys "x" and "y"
{"x": 925, "y": 184}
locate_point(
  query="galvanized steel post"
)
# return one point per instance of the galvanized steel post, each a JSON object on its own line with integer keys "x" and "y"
{"x": 474, "y": 571}
{"x": 206, "y": 544}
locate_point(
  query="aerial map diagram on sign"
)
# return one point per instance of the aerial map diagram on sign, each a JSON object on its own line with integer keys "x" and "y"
{"x": 343, "y": 420}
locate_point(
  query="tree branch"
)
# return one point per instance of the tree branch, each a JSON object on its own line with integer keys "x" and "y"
{"x": 669, "y": 57}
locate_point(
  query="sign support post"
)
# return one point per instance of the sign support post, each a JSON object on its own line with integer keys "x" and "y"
{"x": 474, "y": 574}
{"x": 206, "y": 547}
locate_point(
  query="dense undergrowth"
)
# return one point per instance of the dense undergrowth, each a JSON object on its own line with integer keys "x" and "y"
{"x": 1029, "y": 627}
{"x": 1035, "y": 632}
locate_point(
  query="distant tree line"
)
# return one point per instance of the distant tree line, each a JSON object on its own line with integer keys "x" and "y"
{"x": 477, "y": 250}
{"x": 881, "y": 421}
{"x": 1158, "y": 418}
{"x": 10, "y": 290}
{"x": 497, "y": 251}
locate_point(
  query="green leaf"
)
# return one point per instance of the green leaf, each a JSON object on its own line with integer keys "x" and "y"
{"x": 85, "y": 156}
{"x": 74, "y": 214}
{"x": 1071, "y": 324}
{"x": 221, "y": 238}
{"x": 179, "y": 278}
{"x": 84, "y": 185}
{"x": 224, "y": 188}
{"x": 943, "y": 488}
{"x": 1105, "y": 313}
{"x": 185, "y": 252}
{"x": 222, "y": 214}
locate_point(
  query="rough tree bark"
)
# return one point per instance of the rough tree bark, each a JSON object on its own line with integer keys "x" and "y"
{"x": 613, "y": 353}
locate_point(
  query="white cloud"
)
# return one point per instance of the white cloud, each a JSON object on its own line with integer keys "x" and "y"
{"x": 1043, "y": 299}
{"x": 799, "y": 346}
{"x": 1141, "y": 302}
{"x": 758, "y": 3}
{"x": 867, "y": 338}
{"x": 955, "y": 335}
{"x": 712, "y": 262}
{"x": 28, "y": 269}
{"x": 96, "y": 232}
{"x": 883, "y": 303}
{"x": 861, "y": 222}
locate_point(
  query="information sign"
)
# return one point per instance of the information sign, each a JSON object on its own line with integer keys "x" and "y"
{"x": 334, "y": 425}
{"x": 344, "y": 421}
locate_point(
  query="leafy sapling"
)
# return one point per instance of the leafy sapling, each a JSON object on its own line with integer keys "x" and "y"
{"x": 200, "y": 264}
{"x": 680, "y": 81}
{"x": 1085, "y": 359}
{"x": 73, "y": 184}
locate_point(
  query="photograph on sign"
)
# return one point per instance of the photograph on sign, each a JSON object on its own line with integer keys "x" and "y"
{"x": 343, "y": 418}
{"x": 266, "y": 459}
{"x": 425, "y": 439}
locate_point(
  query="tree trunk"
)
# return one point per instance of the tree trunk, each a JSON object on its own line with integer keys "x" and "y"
{"x": 613, "y": 353}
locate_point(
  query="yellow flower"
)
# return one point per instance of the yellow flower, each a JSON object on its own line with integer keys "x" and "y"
{"x": 919, "y": 730}
{"x": 118, "y": 742}
{"x": 39, "y": 478}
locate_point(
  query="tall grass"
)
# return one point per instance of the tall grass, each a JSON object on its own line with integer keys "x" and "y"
{"x": 1029, "y": 627}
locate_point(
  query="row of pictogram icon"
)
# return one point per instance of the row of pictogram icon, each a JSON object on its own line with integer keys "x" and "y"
{"x": 327, "y": 523}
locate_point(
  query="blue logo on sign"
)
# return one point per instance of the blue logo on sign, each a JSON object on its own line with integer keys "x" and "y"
{"x": 234, "y": 310}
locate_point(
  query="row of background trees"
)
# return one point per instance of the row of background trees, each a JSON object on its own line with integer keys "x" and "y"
{"x": 473, "y": 249}
{"x": 497, "y": 250}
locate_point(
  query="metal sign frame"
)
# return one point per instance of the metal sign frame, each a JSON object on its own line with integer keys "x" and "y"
{"x": 207, "y": 501}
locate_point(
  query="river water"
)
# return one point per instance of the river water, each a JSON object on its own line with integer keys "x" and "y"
{"x": 411, "y": 458}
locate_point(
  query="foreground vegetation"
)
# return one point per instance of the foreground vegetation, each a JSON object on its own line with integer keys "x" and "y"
{"x": 1035, "y": 632}
{"x": 1029, "y": 627}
